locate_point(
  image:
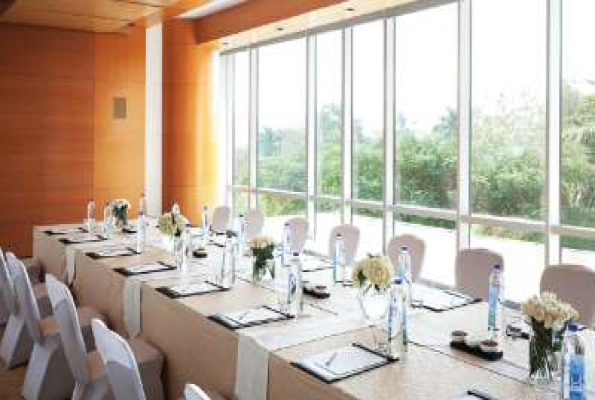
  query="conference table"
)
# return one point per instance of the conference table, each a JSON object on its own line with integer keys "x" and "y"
{"x": 259, "y": 362}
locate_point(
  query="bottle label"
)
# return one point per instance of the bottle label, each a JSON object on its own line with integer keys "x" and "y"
{"x": 493, "y": 307}
{"x": 577, "y": 377}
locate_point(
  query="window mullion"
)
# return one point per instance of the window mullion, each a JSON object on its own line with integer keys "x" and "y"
{"x": 347, "y": 124}
{"x": 389, "y": 128}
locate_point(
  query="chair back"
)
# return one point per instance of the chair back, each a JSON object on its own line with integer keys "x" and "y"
{"x": 193, "y": 392}
{"x": 350, "y": 235}
{"x": 472, "y": 271}
{"x": 574, "y": 284}
{"x": 120, "y": 364}
{"x": 69, "y": 328}
{"x": 254, "y": 220}
{"x": 417, "y": 252}
{"x": 298, "y": 228}
{"x": 25, "y": 297}
{"x": 7, "y": 287}
{"x": 221, "y": 217}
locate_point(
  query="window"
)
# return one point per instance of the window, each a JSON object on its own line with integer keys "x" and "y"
{"x": 282, "y": 115}
{"x": 278, "y": 210}
{"x": 369, "y": 222}
{"x": 578, "y": 116}
{"x": 328, "y": 215}
{"x": 241, "y": 121}
{"x": 426, "y": 107}
{"x": 508, "y": 107}
{"x": 368, "y": 106}
{"x": 329, "y": 112}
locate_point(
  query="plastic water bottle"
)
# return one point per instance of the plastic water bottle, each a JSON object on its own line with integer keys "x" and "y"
{"x": 495, "y": 295}
{"x": 573, "y": 366}
{"x": 339, "y": 258}
{"x": 141, "y": 233}
{"x": 142, "y": 204}
{"x": 241, "y": 233}
{"x": 285, "y": 243}
{"x": 296, "y": 285}
{"x": 90, "y": 221}
{"x": 396, "y": 319}
{"x": 404, "y": 266}
{"x": 206, "y": 225}
{"x": 175, "y": 209}
{"x": 227, "y": 273}
{"x": 107, "y": 219}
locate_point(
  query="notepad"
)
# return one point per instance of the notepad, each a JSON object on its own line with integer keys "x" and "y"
{"x": 147, "y": 268}
{"x": 64, "y": 231}
{"x": 253, "y": 315}
{"x": 111, "y": 252}
{"x": 193, "y": 288}
{"x": 82, "y": 238}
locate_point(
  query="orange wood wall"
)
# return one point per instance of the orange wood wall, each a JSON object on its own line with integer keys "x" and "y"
{"x": 189, "y": 137}
{"x": 252, "y": 14}
{"x": 58, "y": 143}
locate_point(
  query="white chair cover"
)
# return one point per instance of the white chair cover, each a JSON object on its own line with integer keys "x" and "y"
{"x": 193, "y": 392}
{"x": 70, "y": 330}
{"x": 298, "y": 228}
{"x": 417, "y": 250}
{"x": 122, "y": 370}
{"x": 25, "y": 298}
{"x": 472, "y": 271}
{"x": 574, "y": 284}
{"x": 254, "y": 220}
{"x": 7, "y": 287}
{"x": 221, "y": 218}
{"x": 350, "y": 235}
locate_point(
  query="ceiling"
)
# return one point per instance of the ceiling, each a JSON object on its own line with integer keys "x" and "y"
{"x": 89, "y": 15}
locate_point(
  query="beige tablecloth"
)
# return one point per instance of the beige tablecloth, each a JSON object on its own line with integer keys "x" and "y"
{"x": 200, "y": 351}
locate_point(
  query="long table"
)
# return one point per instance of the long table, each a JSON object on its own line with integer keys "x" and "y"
{"x": 203, "y": 352}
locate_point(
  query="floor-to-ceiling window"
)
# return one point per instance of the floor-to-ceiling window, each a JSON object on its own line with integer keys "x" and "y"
{"x": 393, "y": 123}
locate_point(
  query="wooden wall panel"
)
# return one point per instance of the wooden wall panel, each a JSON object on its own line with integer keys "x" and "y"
{"x": 119, "y": 143}
{"x": 46, "y": 129}
{"x": 189, "y": 137}
{"x": 59, "y": 145}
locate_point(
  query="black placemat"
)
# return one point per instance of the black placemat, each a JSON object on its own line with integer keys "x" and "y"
{"x": 126, "y": 272}
{"x": 129, "y": 230}
{"x": 477, "y": 352}
{"x": 323, "y": 371}
{"x": 172, "y": 294}
{"x": 65, "y": 231}
{"x": 234, "y": 324}
{"x": 67, "y": 241}
{"x": 96, "y": 256}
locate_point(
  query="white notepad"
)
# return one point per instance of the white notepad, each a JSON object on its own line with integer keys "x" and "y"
{"x": 346, "y": 360}
{"x": 146, "y": 268}
{"x": 192, "y": 288}
{"x": 253, "y": 315}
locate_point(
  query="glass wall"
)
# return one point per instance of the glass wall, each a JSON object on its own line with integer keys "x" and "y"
{"x": 363, "y": 123}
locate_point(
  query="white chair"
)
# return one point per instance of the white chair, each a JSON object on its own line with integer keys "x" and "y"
{"x": 193, "y": 392}
{"x": 574, "y": 284}
{"x": 17, "y": 345}
{"x": 221, "y": 219}
{"x": 254, "y": 220}
{"x": 350, "y": 235}
{"x": 472, "y": 271}
{"x": 417, "y": 250}
{"x": 298, "y": 228}
{"x": 121, "y": 367}
{"x": 87, "y": 369}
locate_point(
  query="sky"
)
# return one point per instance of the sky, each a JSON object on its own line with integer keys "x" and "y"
{"x": 508, "y": 47}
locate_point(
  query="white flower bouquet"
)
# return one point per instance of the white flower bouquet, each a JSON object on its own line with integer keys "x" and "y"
{"x": 549, "y": 318}
{"x": 172, "y": 225}
{"x": 262, "y": 248}
{"x": 374, "y": 270}
{"x": 119, "y": 209}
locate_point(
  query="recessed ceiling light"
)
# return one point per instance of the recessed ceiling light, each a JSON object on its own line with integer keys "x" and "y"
{"x": 280, "y": 28}
{"x": 350, "y": 8}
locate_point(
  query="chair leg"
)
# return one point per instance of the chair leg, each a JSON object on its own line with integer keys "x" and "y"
{"x": 16, "y": 345}
{"x": 48, "y": 375}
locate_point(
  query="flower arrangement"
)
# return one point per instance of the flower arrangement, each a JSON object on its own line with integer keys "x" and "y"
{"x": 549, "y": 318}
{"x": 119, "y": 209}
{"x": 172, "y": 225}
{"x": 373, "y": 271}
{"x": 262, "y": 248}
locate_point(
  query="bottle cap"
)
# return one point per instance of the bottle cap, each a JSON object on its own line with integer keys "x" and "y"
{"x": 398, "y": 281}
{"x": 572, "y": 327}
{"x": 338, "y": 234}
{"x": 241, "y": 215}
{"x": 498, "y": 267}
{"x": 405, "y": 248}
{"x": 286, "y": 223}
{"x": 296, "y": 253}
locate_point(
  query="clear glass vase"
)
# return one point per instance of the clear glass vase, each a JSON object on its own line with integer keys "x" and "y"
{"x": 178, "y": 250}
{"x": 261, "y": 268}
{"x": 543, "y": 360}
{"x": 373, "y": 302}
